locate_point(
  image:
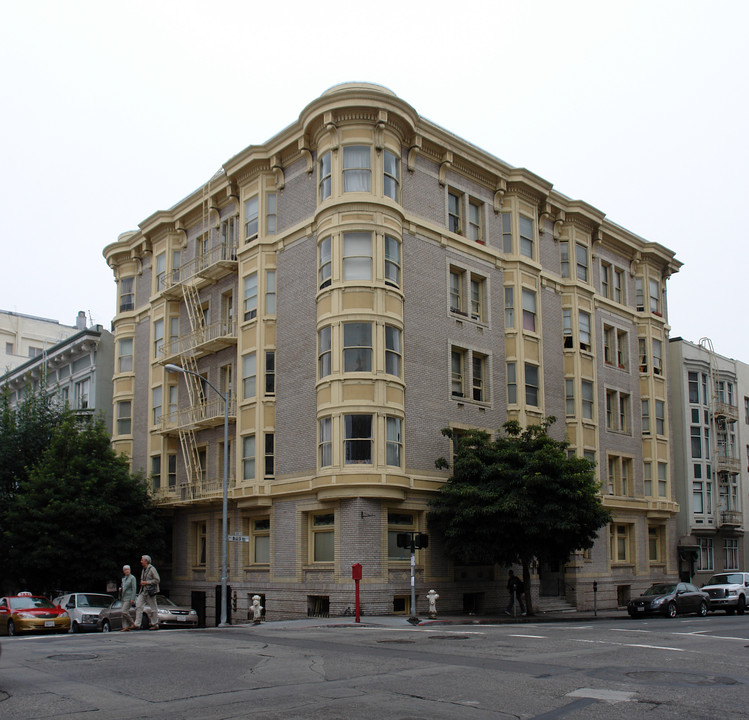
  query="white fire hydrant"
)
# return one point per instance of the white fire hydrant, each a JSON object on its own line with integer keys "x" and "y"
{"x": 432, "y": 597}
{"x": 257, "y": 609}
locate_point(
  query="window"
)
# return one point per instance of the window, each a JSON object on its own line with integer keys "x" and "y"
{"x": 250, "y": 296}
{"x": 201, "y": 544}
{"x": 620, "y": 476}
{"x": 584, "y": 327}
{"x": 642, "y": 354}
{"x": 393, "y": 352}
{"x": 567, "y": 336}
{"x": 694, "y": 388}
{"x": 358, "y": 439}
{"x": 507, "y": 233}
{"x": 157, "y": 404}
{"x": 456, "y": 291}
{"x": 655, "y": 543}
{"x": 398, "y": 522}
{"x": 478, "y": 377}
{"x": 81, "y": 394}
{"x": 746, "y": 410}
{"x": 617, "y": 411}
{"x": 662, "y": 480}
{"x": 394, "y": 442}
{"x": 531, "y": 385}
{"x": 660, "y": 420}
{"x": 35, "y": 351}
{"x": 271, "y": 213}
{"x": 356, "y": 168}
{"x": 457, "y": 369}
{"x": 657, "y": 357}
{"x": 564, "y": 258}
{"x": 454, "y": 219}
{"x": 124, "y": 417}
{"x": 509, "y": 307}
{"x": 251, "y": 219}
{"x": 9, "y": 349}
{"x": 731, "y": 554}
{"x": 228, "y": 240}
{"x": 160, "y": 271}
{"x": 526, "y": 236}
{"x": 529, "y": 310}
{"x": 127, "y": 294}
{"x": 477, "y": 298}
{"x": 640, "y": 294}
{"x": 645, "y": 416}
{"x": 171, "y": 463}
{"x": 619, "y": 543}
{"x": 357, "y": 347}
{"x": 475, "y": 232}
{"x": 260, "y": 541}
{"x": 587, "y": 397}
{"x": 357, "y": 256}
{"x": 324, "y": 263}
{"x": 392, "y": 175}
{"x": 270, "y": 372}
{"x": 323, "y": 537}
{"x": 158, "y": 337}
{"x": 323, "y": 357}
{"x": 125, "y": 355}
{"x": 270, "y": 292}
{"x": 392, "y": 261}
{"x": 647, "y": 479}
{"x": 156, "y": 471}
{"x": 325, "y": 176}
{"x": 248, "y": 457}
{"x": 696, "y": 441}
{"x": 569, "y": 397}
{"x": 325, "y": 444}
{"x": 615, "y": 347}
{"x": 612, "y": 282}
{"x": 705, "y": 559}
{"x": 512, "y": 383}
{"x": 655, "y": 296}
{"x": 249, "y": 374}
{"x": 270, "y": 454}
{"x": 581, "y": 259}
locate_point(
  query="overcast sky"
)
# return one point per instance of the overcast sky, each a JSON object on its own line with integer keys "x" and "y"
{"x": 111, "y": 111}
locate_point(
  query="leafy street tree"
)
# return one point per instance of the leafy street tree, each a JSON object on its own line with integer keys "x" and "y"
{"x": 78, "y": 514}
{"x": 516, "y": 499}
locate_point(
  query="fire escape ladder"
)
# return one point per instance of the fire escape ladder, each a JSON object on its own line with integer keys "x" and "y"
{"x": 191, "y": 457}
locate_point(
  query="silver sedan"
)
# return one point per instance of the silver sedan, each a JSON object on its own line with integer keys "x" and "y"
{"x": 170, "y": 615}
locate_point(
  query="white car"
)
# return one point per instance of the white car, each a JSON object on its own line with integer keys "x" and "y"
{"x": 83, "y": 608}
{"x": 728, "y": 591}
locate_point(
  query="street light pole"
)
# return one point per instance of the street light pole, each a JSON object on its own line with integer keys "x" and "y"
{"x": 225, "y": 507}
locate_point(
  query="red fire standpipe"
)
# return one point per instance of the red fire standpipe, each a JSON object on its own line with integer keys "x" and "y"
{"x": 356, "y": 574}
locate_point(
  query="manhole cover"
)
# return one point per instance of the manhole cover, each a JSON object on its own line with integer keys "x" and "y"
{"x": 72, "y": 656}
{"x": 664, "y": 677}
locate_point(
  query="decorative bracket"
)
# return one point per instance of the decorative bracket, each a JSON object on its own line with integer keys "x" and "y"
{"x": 332, "y": 129}
{"x": 447, "y": 162}
{"x": 379, "y": 131}
{"x": 277, "y": 168}
{"x": 415, "y": 147}
{"x": 545, "y": 214}
{"x": 558, "y": 224}
{"x": 306, "y": 154}
{"x": 499, "y": 194}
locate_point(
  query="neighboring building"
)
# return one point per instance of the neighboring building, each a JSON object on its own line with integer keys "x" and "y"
{"x": 25, "y": 336}
{"x": 78, "y": 370}
{"x": 710, "y": 434}
{"x": 354, "y": 285}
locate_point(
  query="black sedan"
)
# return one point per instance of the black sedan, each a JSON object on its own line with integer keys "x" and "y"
{"x": 670, "y": 599}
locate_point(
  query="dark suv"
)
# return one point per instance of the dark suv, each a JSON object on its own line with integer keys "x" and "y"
{"x": 728, "y": 591}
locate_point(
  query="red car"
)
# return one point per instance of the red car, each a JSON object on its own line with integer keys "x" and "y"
{"x": 31, "y": 613}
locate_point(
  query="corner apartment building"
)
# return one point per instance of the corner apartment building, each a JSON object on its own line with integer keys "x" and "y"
{"x": 27, "y": 336}
{"x": 77, "y": 370}
{"x": 352, "y": 286}
{"x": 710, "y": 434}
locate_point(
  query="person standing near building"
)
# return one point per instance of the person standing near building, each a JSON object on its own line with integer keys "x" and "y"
{"x": 149, "y": 586}
{"x": 516, "y": 588}
{"x": 128, "y": 591}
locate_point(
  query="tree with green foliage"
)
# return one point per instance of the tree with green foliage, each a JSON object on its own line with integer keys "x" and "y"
{"x": 517, "y": 498}
{"x": 79, "y": 514}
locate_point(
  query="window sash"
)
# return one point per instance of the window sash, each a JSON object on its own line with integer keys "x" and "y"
{"x": 358, "y": 439}
{"x": 356, "y": 168}
{"x": 357, "y": 256}
{"x": 357, "y": 347}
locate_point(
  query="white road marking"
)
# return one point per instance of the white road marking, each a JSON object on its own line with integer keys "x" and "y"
{"x": 609, "y": 696}
{"x": 540, "y": 637}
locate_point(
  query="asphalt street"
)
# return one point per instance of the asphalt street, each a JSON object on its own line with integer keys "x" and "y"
{"x": 385, "y": 668}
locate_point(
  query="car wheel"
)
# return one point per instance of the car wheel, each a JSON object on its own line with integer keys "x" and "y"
{"x": 75, "y": 628}
{"x": 703, "y": 609}
{"x": 105, "y": 626}
{"x": 741, "y": 606}
{"x": 730, "y": 611}
{"x": 11, "y": 628}
{"x": 671, "y": 610}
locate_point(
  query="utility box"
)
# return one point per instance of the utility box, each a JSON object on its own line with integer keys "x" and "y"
{"x": 356, "y": 571}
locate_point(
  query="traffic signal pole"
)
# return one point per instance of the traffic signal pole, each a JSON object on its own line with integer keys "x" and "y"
{"x": 414, "y": 541}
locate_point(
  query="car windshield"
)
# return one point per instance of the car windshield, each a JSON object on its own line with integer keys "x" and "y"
{"x": 660, "y": 589}
{"x": 25, "y": 603}
{"x": 95, "y": 601}
{"x": 726, "y": 579}
{"x": 163, "y": 601}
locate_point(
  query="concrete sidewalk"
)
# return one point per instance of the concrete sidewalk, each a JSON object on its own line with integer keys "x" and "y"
{"x": 401, "y": 621}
